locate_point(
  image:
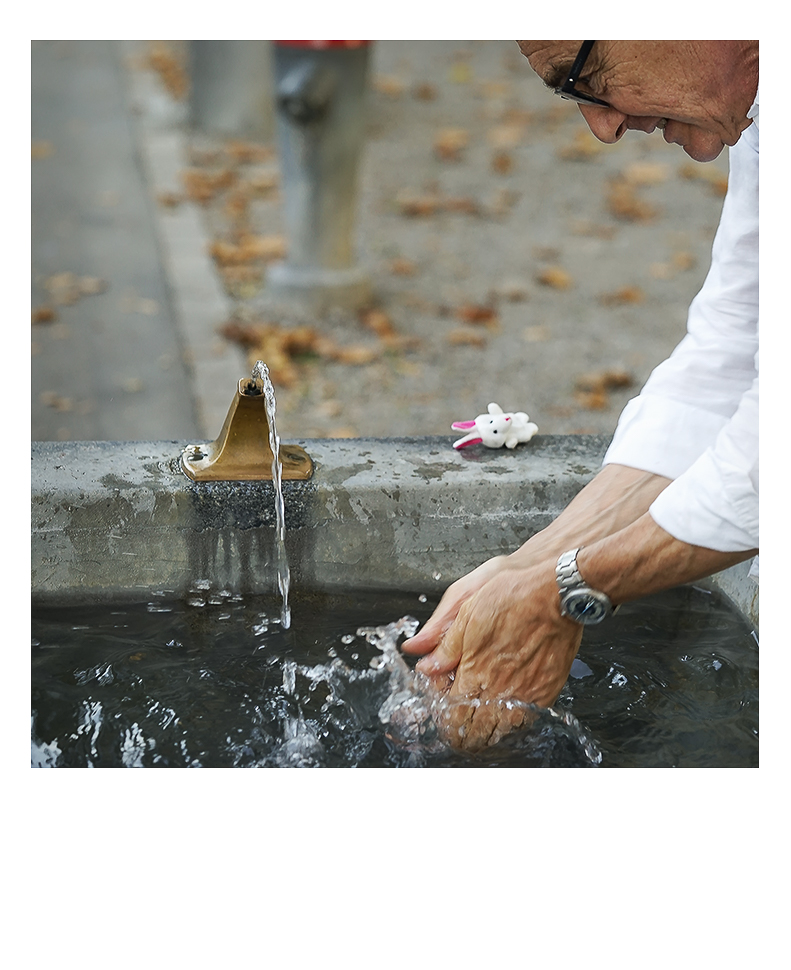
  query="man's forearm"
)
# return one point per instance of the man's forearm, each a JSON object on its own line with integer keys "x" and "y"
{"x": 642, "y": 559}
{"x": 617, "y": 497}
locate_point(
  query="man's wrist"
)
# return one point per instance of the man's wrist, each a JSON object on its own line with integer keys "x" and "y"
{"x": 578, "y": 600}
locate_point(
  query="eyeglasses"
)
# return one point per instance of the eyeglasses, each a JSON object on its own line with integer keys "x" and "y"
{"x": 567, "y": 89}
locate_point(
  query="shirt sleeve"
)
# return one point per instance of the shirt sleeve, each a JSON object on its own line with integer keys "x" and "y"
{"x": 696, "y": 419}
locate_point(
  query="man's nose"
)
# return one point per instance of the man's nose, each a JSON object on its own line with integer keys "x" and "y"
{"x": 607, "y": 124}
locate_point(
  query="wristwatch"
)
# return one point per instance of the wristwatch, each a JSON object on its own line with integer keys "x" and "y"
{"x": 577, "y": 600}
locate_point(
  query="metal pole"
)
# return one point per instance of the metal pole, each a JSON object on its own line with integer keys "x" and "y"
{"x": 320, "y": 124}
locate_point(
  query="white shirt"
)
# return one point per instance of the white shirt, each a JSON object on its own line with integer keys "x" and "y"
{"x": 696, "y": 419}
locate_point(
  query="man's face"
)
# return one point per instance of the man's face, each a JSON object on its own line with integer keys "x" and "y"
{"x": 646, "y": 82}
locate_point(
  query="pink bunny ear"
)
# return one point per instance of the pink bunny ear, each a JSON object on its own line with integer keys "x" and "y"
{"x": 462, "y": 425}
{"x": 466, "y": 440}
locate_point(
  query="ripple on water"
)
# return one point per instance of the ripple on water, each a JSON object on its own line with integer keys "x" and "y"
{"x": 228, "y": 685}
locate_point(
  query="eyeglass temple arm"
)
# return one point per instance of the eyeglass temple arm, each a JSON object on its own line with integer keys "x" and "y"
{"x": 576, "y": 67}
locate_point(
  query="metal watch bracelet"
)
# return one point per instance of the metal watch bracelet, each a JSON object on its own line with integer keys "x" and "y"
{"x": 567, "y": 572}
{"x": 572, "y": 587}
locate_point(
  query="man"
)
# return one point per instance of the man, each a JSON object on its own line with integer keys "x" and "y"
{"x": 677, "y": 498}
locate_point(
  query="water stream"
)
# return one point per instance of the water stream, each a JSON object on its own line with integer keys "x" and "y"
{"x": 283, "y": 573}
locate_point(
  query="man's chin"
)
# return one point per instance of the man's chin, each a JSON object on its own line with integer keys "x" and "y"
{"x": 703, "y": 153}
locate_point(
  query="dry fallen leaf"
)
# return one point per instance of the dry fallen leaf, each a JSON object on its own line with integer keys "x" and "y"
{"x": 584, "y": 147}
{"x": 275, "y": 344}
{"x": 169, "y": 199}
{"x": 460, "y": 71}
{"x": 478, "y": 315}
{"x": 40, "y": 149}
{"x": 90, "y": 285}
{"x": 63, "y": 288}
{"x": 502, "y": 202}
{"x": 43, "y": 314}
{"x": 428, "y": 204}
{"x": 389, "y": 85}
{"x": 713, "y": 177}
{"x": 625, "y": 204}
{"x": 202, "y": 186}
{"x": 237, "y": 203}
{"x": 278, "y": 346}
{"x": 617, "y": 378}
{"x": 424, "y": 92}
{"x": 680, "y": 262}
{"x": 67, "y": 288}
{"x": 263, "y": 182}
{"x": 556, "y": 277}
{"x": 462, "y": 203}
{"x": 249, "y": 249}
{"x": 241, "y": 274}
{"x": 514, "y": 291}
{"x": 505, "y": 136}
{"x": 378, "y": 321}
{"x": 646, "y": 173}
{"x": 56, "y": 401}
{"x": 402, "y": 267}
{"x": 450, "y": 142}
{"x": 355, "y": 354}
{"x": 502, "y": 162}
{"x": 683, "y": 260}
{"x": 592, "y": 400}
{"x": 591, "y": 389}
{"x": 247, "y": 152}
{"x": 466, "y": 337}
{"x": 411, "y": 204}
{"x": 170, "y": 68}
{"x": 627, "y": 294}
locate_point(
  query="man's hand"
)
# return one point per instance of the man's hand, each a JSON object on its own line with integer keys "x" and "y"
{"x": 615, "y": 498}
{"x": 431, "y": 635}
{"x": 508, "y": 640}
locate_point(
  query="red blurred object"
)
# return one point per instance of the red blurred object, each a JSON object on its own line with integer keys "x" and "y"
{"x": 323, "y": 44}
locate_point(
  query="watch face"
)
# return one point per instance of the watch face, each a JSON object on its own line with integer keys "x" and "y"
{"x": 586, "y": 606}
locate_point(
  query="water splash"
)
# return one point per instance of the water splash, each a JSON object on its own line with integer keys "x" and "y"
{"x": 421, "y": 721}
{"x": 261, "y": 371}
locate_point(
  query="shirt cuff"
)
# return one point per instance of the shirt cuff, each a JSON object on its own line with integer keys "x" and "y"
{"x": 662, "y": 436}
{"x": 711, "y": 507}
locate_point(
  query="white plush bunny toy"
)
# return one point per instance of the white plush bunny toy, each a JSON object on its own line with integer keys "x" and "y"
{"x": 495, "y": 429}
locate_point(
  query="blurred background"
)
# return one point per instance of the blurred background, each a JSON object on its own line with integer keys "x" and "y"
{"x": 403, "y": 230}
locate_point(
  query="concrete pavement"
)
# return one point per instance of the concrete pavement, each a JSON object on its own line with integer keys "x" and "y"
{"x": 132, "y": 351}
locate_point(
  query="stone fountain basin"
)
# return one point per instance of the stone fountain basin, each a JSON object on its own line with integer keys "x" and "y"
{"x": 119, "y": 521}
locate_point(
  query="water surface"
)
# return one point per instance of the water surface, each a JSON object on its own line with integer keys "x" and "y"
{"x": 216, "y": 681}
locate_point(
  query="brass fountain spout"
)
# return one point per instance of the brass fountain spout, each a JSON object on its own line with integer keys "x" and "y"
{"x": 242, "y": 452}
